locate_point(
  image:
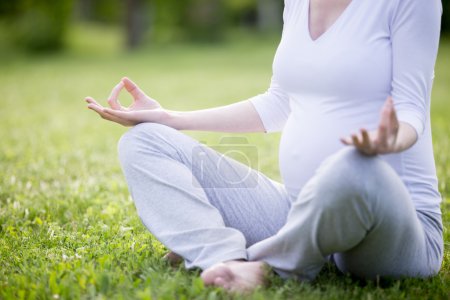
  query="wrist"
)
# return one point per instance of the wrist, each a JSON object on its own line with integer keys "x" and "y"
{"x": 174, "y": 119}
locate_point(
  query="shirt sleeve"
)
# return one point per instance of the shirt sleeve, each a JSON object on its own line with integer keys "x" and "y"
{"x": 273, "y": 107}
{"x": 415, "y": 30}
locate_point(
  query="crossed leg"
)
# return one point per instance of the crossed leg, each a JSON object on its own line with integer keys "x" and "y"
{"x": 203, "y": 206}
{"x": 357, "y": 209}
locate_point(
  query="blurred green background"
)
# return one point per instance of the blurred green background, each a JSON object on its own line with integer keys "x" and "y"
{"x": 46, "y": 25}
{"x": 68, "y": 228}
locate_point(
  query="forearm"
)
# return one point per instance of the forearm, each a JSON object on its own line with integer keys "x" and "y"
{"x": 238, "y": 117}
{"x": 406, "y": 138}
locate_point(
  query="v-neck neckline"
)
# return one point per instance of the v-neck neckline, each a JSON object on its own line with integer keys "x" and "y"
{"x": 331, "y": 27}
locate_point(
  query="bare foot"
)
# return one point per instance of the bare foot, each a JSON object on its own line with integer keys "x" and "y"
{"x": 173, "y": 258}
{"x": 237, "y": 276}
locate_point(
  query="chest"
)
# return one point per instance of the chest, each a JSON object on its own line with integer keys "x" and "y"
{"x": 352, "y": 57}
{"x": 322, "y": 14}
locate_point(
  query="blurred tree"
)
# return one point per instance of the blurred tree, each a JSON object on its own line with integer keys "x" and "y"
{"x": 192, "y": 20}
{"x": 168, "y": 19}
{"x": 9, "y": 8}
{"x": 269, "y": 15}
{"x": 85, "y": 9}
{"x": 135, "y": 22}
{"x": 134, "y": 14}
{"x": 446, "y": 16}
{"x": 204, "y": 20}
{"x": 105, "y": 11}
{"x": 37, "y": 25}
{"x": 241, "y": 12}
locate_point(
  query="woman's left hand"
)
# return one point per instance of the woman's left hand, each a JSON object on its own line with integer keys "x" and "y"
{"x": 381, "y": 141}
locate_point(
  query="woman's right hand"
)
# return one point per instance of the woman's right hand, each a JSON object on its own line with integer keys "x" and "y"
{"x": 143, "y": 108}
{"x": 237, "y": 117}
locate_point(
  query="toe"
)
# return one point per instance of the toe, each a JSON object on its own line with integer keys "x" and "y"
{"x": 209, "y": 275}
{"x": 217, "y": 271}
{"x": 220, "y": 282}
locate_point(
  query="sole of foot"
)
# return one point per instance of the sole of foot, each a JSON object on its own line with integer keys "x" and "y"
{"x": 237, "y": 276}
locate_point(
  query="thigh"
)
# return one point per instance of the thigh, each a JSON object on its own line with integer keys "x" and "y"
{"x": 246, "y": 199}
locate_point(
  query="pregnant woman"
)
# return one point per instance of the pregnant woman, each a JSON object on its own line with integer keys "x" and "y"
{"x": 350, "y": 92}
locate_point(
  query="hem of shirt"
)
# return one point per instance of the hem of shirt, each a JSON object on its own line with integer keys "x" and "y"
{"x": 212, "y": 260}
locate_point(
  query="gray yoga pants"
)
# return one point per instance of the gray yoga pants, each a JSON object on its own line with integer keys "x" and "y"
{"x": 209, "y": 208}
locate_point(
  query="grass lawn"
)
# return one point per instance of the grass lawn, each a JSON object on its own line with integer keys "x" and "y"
{"x": 68, "y": 226}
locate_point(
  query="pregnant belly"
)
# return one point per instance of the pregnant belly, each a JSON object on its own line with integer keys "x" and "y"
{"x": 307, "y": 140}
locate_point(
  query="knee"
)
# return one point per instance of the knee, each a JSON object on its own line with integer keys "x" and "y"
{"x": 140, "y": 138}
{"x": 345, "y": 176}
{"x": 351, "y": 166}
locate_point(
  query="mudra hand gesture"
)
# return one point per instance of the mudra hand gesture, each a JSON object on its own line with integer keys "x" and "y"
{"x": 391, "y": 135}
{"x": 143, "y": 108}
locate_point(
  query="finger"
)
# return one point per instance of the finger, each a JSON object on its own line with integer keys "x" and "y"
{"x": 390, "y": 100}
{"x": 393, "y": 120}
{"x": 91, "y": 100}
{"x": 346, "y": 141}
{"x": 97, "y": 108}
{"x": 386, "y": 112}
{"x": 356, "y": 141}
{"x": 106, "y": 116}
{"x": 367, "y": 142}
{"x": 366, "y": 145}
{"x": 366, "y": 138}
{"x": 390, "y": 111}
{"x": 361, "y": 146}
{"x": 133, "y": 89}
{"x": 116, "y": 119}
{"x": 382, "y": 136}
{"x": 385, "y": 124}
{"x": 125, "y": 115}
{"x": 135, "y": 116}
{"x": 113, "y": 99}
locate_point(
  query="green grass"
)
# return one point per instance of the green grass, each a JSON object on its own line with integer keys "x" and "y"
{"x": 69, "y": 228}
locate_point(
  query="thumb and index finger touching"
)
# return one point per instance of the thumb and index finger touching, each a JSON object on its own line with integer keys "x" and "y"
{"x": 113, "y": 99}
{"x": 133, "y": 89}
{"x": 130, "y": 86}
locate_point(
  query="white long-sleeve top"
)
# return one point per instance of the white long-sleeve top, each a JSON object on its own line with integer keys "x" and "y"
{"x": 330, "y": 87}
